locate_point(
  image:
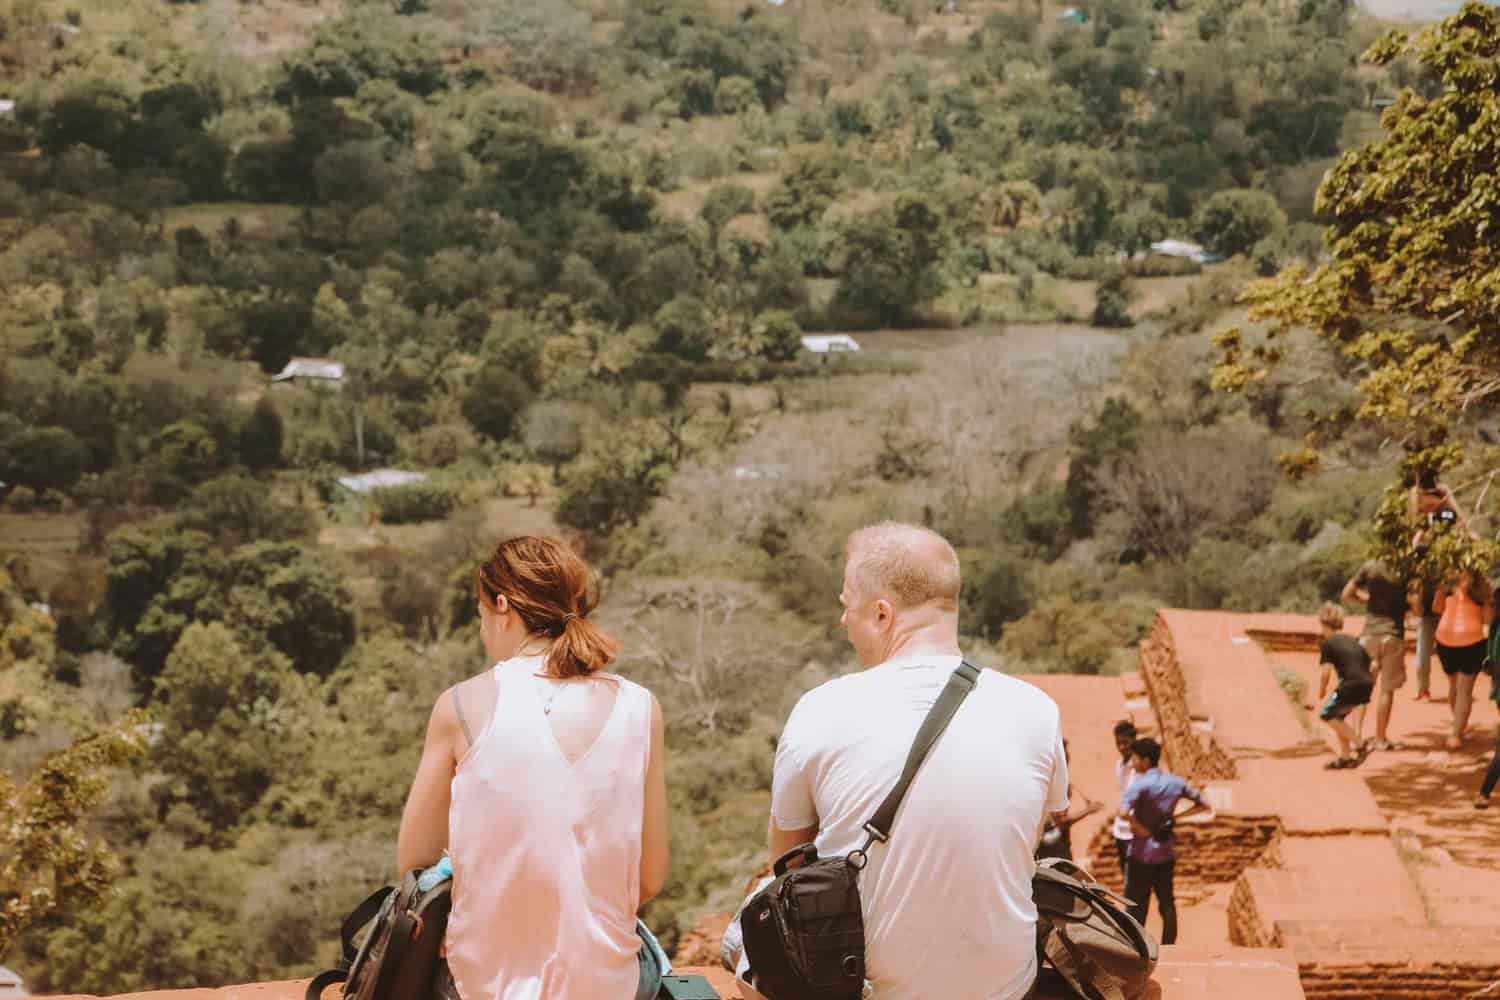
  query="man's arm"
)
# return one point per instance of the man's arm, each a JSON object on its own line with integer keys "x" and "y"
{"x": 792, "y": 796}
{"x": 1196, "y": 798}
{"x": 1068, "y": 817}
{"x": 779, "y": 841}
{"x": 1352, "y": 594}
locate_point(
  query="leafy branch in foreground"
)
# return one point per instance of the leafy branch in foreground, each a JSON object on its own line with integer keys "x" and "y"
{"x": 48, "y": 862}
{"x": 1411, "y": 292}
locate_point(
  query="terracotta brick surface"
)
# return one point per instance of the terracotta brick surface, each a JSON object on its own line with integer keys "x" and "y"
{"x": 1383, "y": 881}
{"x": 1308, "y": 799}
{"x": 1182, "y": 974}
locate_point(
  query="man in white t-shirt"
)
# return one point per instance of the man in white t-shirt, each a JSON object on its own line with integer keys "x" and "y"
{"x": 947, "y": 901}
{"x": 1125, "y": 774}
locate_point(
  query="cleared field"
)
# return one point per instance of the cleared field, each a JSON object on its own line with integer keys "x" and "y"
{"x": 254, "y": 219}
{"x": 41, "y": 534}
{"x": 48, "y": 541}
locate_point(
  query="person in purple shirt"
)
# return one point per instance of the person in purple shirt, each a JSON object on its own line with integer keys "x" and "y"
{"x": 1151, "y": 804}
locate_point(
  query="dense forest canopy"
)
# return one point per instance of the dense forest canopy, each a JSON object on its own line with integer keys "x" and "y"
{"x": 565, "y": 252}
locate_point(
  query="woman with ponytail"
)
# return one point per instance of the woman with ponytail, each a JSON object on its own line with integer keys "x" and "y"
{"x": 544, "y": 781}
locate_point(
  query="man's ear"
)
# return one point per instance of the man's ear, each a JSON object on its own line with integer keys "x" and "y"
{"x": 885, "y": 611}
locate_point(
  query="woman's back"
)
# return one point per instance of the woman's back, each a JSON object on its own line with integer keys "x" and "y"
{"x": 545, "y": 836}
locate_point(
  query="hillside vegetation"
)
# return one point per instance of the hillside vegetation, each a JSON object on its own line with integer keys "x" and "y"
{"x": 566, "y": 253}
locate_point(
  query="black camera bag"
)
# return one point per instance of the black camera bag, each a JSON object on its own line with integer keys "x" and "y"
{"x": 805, "y": 932}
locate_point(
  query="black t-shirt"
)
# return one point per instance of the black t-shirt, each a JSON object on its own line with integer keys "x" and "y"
{"x": 1349, "y": 659}
{"x": 1387, "y": 603}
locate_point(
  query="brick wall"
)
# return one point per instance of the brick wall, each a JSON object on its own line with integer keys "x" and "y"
{"x": 1343, "y": 961}
{"x": 1187, "y": 752}
{"x": 1209, "y": 853}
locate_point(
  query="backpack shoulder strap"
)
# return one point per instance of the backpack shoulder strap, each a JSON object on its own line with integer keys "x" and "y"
{"x": 960, "y": 683}
{"x": 322, "y": 981}
{"x": 458, "y": 710}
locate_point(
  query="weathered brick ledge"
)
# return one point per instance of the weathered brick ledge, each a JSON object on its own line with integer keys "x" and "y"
{"x": 1183, "y": 974}
{"x": 1311, "y": 854}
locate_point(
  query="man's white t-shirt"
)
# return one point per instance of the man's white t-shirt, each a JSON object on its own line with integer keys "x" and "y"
{"x": 947, "y": 902}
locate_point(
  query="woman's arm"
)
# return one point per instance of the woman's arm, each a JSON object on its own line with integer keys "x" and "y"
{"x": 1440, "y": 599}
{"x": 424, "y": 821}
{"x": 655, "y": 842}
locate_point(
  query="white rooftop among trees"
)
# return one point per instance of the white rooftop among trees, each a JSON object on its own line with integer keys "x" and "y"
{"x": 380, "y": 479}
{"x": 823, "y": 343}
{"x": 319, "y": 368}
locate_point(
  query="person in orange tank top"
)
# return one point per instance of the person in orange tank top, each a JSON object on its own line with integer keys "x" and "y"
{"x": 1466, "y": 607}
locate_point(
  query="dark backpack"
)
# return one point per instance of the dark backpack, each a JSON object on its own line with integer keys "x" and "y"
{"x": 1086, "y": 936}
{"x": 396, "y": 958}
{"x": 805, "y": 932}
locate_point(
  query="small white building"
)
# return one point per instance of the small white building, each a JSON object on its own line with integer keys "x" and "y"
{"x": 7, "y": 108}
{"x": 1188, "y": 251}
{"x": 10, "y": 984}
{"x": 318, "y": 370}
{"x": 829, "y": 343}
{"x": 380, "y": 479}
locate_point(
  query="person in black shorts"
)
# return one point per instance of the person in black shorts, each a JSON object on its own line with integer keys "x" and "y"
{"x": 1342, "y": 655}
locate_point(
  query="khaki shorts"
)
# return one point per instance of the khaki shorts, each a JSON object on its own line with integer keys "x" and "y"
{"x": 1387, "y": 660}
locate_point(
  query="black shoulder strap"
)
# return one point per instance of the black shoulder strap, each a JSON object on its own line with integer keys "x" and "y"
{"x": 960, "y": 683}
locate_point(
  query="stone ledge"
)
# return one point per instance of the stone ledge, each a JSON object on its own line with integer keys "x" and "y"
{"x": 1182, "y": 974}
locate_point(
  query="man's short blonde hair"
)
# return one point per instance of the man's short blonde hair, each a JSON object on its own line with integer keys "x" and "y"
{"x": 1330, "y": 615}
{"x": 905, "y": 563}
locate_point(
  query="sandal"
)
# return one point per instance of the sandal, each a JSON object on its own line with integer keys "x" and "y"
{"x": 1483, "y": 802}
{"x": 1341, "y": 763}
{"x": 1384, "y": 745}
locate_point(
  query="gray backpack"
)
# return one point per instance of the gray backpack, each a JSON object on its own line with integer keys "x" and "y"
{"x": 1086, "y": 937}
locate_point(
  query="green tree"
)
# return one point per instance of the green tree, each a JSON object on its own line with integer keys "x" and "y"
{"x": 723, "y": 202}
{"x": 808, "y": 185}
{"x": 684, "y": 328}
{"x": 1000, "y": 593}
{"x": 40, "y": 457}
{"x": 1098, "y": 447}
{"x": 288, "y": 595}
{"x": 236, "y": 508}
{"x": 494, "y": 399}
{"x": 623, "y": 467}
{"x": 51, "y": 864}
{"x": 893, "y": 259}
{"x": 1112, "y": 299}
{"x": 1232, "y": 222}
{"x": 1410, "y": 288}
{"x": 552, "y": 431}
{"x": 221, "y": 730}
{"x": 1078, "y": 637}
{"x": 261, "y": 437}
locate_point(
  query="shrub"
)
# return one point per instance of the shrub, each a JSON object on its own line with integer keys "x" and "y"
{"x": 495, "y": 397}
{"x": 1080, "y": 637}
{"x": 1234, "y": 221}
{"x": 413, "y": 502}
{"x": 1112, "y": 300}
{"x": 735, "y": 94}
